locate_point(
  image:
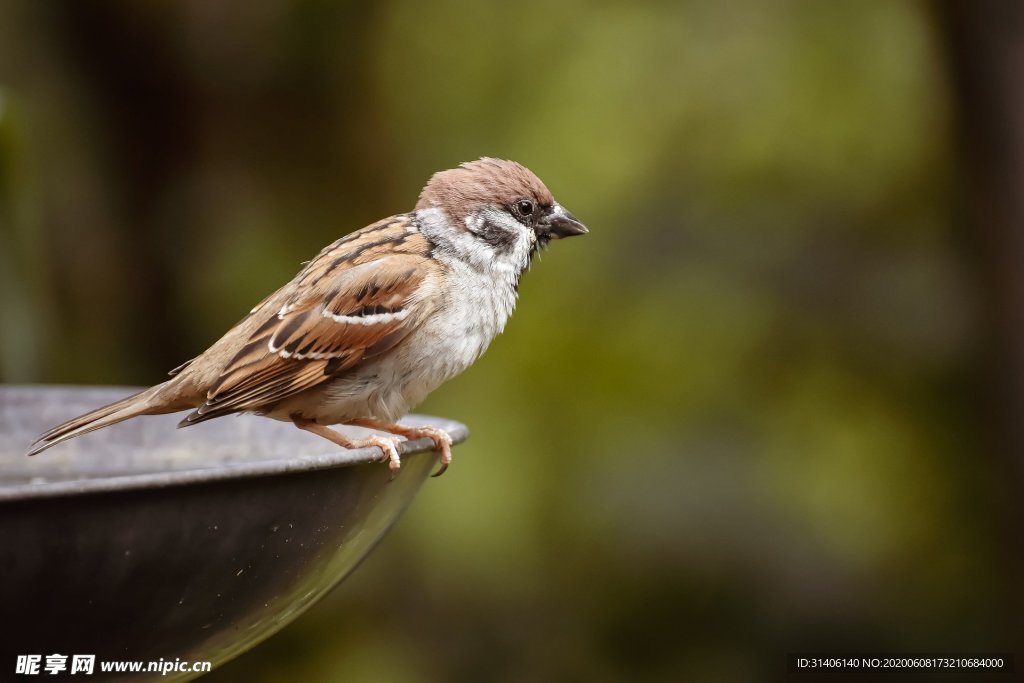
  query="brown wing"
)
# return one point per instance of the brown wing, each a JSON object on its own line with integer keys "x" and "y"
{"x": 357, "y": 299}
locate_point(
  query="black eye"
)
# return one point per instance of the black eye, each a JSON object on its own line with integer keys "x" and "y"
{"x": 524, "y": 207}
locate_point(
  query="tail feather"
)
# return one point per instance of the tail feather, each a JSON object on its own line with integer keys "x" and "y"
{"x": 132, "y": 406}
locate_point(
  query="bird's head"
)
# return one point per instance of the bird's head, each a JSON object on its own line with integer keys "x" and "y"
{"x": 500, "y": 203}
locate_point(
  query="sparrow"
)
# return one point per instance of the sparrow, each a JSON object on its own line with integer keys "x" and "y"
{"x": 375, "y": 322}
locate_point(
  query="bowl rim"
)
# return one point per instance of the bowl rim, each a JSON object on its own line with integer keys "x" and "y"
{"x": 198, "y": 475}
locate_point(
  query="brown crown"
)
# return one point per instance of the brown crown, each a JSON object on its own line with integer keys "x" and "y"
{"x": 485, "y": 182}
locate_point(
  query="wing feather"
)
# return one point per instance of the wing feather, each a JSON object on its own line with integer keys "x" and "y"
{"x": 356, "y": 300}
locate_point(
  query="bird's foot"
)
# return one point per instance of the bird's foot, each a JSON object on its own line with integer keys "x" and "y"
{"x": 388, "y": 445}
{"x": 442, "y": 442}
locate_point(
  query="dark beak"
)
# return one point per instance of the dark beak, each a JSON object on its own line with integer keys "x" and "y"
{"x": 560, "y": 223}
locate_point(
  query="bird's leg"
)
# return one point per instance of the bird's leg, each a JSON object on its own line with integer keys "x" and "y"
{"x": 387, "y": 446}
{"x": 442, "y": 442}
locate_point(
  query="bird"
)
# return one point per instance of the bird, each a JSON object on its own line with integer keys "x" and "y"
{"x": 375, "y": 322}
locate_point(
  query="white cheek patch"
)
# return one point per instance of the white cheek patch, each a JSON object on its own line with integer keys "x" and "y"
{"x": 467, "y": 246}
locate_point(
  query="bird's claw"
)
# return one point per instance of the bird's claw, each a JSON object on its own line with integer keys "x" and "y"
{"x": 442, "y": 443}
{"x": 389, "y": 451}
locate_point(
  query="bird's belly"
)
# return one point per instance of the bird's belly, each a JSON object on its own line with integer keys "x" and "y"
{"x": 385, "y": 389}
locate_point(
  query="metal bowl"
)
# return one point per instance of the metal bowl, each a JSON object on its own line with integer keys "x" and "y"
{"x": 142, "y": 542}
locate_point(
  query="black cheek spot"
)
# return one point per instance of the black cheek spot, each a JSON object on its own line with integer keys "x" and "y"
{"x": 496, "y": 236}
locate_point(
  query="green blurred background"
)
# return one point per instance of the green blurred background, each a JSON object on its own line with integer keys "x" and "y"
{"x": 768, "y": 405}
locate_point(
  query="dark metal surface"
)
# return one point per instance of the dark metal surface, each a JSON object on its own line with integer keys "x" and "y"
{"x": 142, "y": 542}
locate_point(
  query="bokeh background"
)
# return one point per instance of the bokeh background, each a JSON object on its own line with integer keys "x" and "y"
{"x": 772, "y": 403}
